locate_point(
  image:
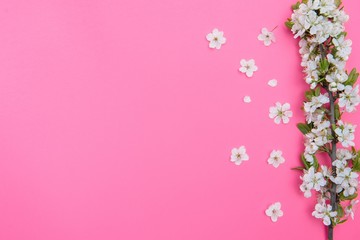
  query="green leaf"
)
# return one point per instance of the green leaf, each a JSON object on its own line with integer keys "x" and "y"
{"x": 356, "y": 163}
{"x": 324, "y": 65}
{"x": 353, "y": 76}
{"x": 304, "y": 128}
{"x": 342, "y": 197}
{"x": 295, "y": 6}
{"x": 306, "y": 164}
{"x": 353, "y": 150}
{"x": 309, "y": 94}
{"x": 289, "y": 24}
{"x": 317, "y": 91}
{"x": 342, "y": 34}
{"x": 342, "y": 221}
{"x": 340, "y": 211}
{"x": 337, "y": 112}
{"x": 305, "y": 1}
{"x": 315, "y": 163}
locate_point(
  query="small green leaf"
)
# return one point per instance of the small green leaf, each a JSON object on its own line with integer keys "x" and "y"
{"x": 295, "y": 6}
{"x": 337, "y": 112}
{"x": 352, "y": 77}
{"x": 356, "y": 163}
{"x": 324, "y": 65}
{"x": 317, "y": 91}
{"x": 342, "y": 221}
{"x": 315, "y": 163}
{"x": 353, "y": 150}
{"x": 342, "y": 34}
{"x": 309, "y": 94}
{"x": 340, "y": 211}
{"x": 351, "y": 197}
{"x": 306, "y": 164}
{"x": 289, "y": 24}
{"x": 304, "y": 128}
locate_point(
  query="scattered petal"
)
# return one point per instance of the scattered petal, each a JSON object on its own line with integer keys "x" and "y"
{"x": 272, "y": 83}
{"x": 247, "y": 99}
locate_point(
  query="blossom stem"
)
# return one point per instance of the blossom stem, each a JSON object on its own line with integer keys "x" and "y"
{"x": 274, "y": 28}
{"x": 332, "y": 154}
{"x": 330, "y": 232}
{"x": 333, "y": 194}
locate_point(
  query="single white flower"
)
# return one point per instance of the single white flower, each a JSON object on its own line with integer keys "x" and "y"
{"x": 216, "y": 39}
{"x": 326, "y": 172}
{"x": 343, "y": 154}
{"x": 316, "y": 102}
{"x": 276, "y": 158}
{"x": 309, "y": 158}
{"x": 314, "y": 180}
{"x": 336, "y": 80}
{"x": 327, "y": 6}
{"x": 267, "y": 37}
{"x": 350, "y": 98}
{"x": 340, "y": 167}
{"x": 248, "y": 67}
{"x": 274, "y": 211}
{"x": 348, "y": 180}
{"x": 280, "y": 112}
{"x": 346, "y": 134}
{"x": 343, "y": 47}
{"x": 238, "y": 155}
{"x": 305, "y": 189}
{"x": 350, "y": 210}
{"x": 324, "y": 212}
{"x": 338, "y": 63}
{"x": 247, "y": 99}
{"x": 272, "y": 83}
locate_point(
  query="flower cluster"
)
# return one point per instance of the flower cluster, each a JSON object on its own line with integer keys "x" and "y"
{"x": 324, "y": 51}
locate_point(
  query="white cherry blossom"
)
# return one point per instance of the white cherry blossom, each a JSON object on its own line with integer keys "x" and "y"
{"x": 348, "y": 180}
{"x": 314, "y": 180}
{"x": 343, "y": 47}
{"x": 267, "y": 37}
{"x": 276, "y": 158}
{"x": 345, "y": 133}
{"x": 238, "y": 155}
{"x": 350, "y": 98}
{"x": 274, "y": 211}
{"x": 350, "y": 210}
{"x": 280, "y": 112}
{"x": 248, "y": 67}
{"x": 324, "y": 212}
{"x": 216, "y": 39}
{"x": 305, "y": 189}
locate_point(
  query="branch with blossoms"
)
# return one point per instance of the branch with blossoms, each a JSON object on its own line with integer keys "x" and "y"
{"x": 324, "y": 50}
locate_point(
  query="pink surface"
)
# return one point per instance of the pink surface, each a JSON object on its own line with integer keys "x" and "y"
{"x": 117, "y": 121}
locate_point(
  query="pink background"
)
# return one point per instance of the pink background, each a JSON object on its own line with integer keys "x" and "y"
{"x": 117, "y": 121}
